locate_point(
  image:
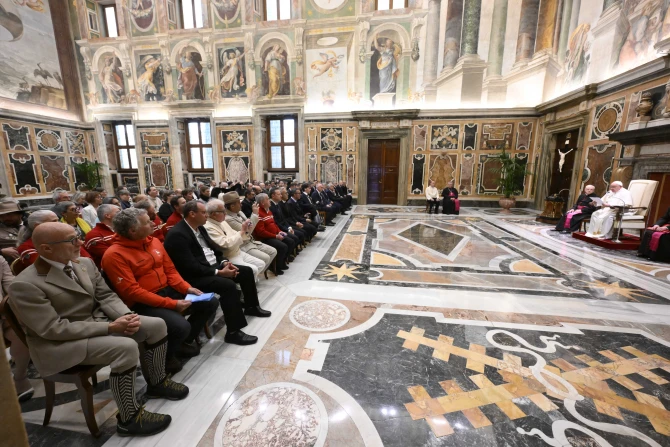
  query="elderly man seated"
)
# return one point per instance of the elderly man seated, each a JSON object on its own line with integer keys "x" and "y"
{"x": 145, "y": 278}
{"x": 585, "y": 206}
{"x": 655, "y": 243}
{"x": 229, "y": 240}
{"x": 99, "y": 239}
{"x": 269, "y": 233}
{"x": 235, "y": 217}
{"x": 602, "y": 220}
{"x": 72, "y": 318}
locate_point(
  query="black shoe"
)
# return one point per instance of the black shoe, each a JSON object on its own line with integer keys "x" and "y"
{"x": 290, "y": 259}
{"x": 279, "y": 272}
{"x": 257, "y": 311}
{"x": 321, "y": 228}
{"x": 172, "y": 365}
{"x": 330, "y": 224}
{"x": 168, "y": 389}
{"x": 344, "y": 213}
{"x": 144, "y": 423}
{"x": 240, "y": 338}
{"x": 188, "y": 350}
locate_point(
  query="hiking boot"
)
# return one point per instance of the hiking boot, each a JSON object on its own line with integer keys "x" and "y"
{"x": 168, "y": 389}
{"x": 144, "y": 423}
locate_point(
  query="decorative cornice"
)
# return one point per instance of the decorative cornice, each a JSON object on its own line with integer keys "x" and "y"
{"x": 648, "y": 135}
{"x": 385, "y": 115}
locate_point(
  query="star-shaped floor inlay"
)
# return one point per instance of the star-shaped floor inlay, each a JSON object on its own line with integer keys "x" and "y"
{"x": 614, "y": 288}
{"x": 341, "y": 271}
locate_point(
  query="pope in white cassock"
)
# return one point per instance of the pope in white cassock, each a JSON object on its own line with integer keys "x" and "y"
{"x": 602, "y": 220}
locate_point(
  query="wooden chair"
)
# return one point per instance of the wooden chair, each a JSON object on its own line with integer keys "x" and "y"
{"x": 273, "y": 266}
{"x": 78, "y": 375}
{"x": 323, "y": 217}
{"x": 17, "y": 266}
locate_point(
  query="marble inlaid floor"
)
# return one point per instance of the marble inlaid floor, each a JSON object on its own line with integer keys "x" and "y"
{"x": 401, "y": 329}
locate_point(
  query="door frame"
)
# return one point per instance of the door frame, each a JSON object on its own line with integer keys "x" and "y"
{"x": 383, "y": 134}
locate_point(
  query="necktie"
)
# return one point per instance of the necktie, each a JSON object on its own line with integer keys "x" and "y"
{"x": 69, "y": 272}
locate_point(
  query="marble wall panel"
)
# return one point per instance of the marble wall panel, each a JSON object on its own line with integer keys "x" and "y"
{"x": 155, "y": 142}
{"x": 158, "y": 172}
{"x": 444, "y": 136}
{"x": 496, "y": 136}
{"x": 312, "y": 136}
{"x": 420, "y": 137}
{"x": 352, "y": 138}
{"x": 418, "y": 170}
{"x": 467, "y": 174}
{"x": 598, "y": 166}
{"x": 48, "y": 140}
{"x": 311, "y": 166}
{"x": 351, "y": 172}
{"x": 91, "y": 143}
{"x": 470, "y": 136}
{"x": 23, "y": 174}
{"x": 54, "y": 172}
{"x": 331, "y": 139}
{"x": 235, "y": 140}
{"x": 607, "y": 119}
{"x": 76, "y": 143}
{"x": 487, "y": 181}
{"x": 442, "y": 169}
{"x": 524, "y": 136}
{"x": 112, "y": 162}
{"x": 236, "y": 168}
{"x": 331, "y": 168}
{"x": 17, "y": 137}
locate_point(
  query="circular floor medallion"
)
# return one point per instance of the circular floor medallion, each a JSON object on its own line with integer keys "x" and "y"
{"x": 277, "y": 414}
{"x": 320, "y": 315}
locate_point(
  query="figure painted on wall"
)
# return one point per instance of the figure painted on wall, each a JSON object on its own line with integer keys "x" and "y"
{"x": 226, "y": 9}
{"x": 233, "y": 82}
{"x": 578, "y": 54}
{"x": 111, "y": 80}
{"x": 327, "y": 79}
{"x": 190, "y": 83}
{"x": 645, "y": 21}
{"x": 451, "y": 52}
{"x": 276, "y": 77}
{"x": 384, "y": 66}
{"x": 142, "y": 13}
{"x": 329, "y": 63}
{"x": 150, "y": 78}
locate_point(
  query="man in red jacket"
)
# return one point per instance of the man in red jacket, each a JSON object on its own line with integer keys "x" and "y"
{"x": 99, "y": 239}
{"x": 269, "y": 233}
{"x": 177, "y": 203}
{"x": 144, "y": 277}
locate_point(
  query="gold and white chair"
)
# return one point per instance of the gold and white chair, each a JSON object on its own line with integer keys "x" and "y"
{"x": 642, "y": 192}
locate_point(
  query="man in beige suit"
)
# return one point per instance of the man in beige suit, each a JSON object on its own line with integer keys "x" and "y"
{"x": 72, "y": 318}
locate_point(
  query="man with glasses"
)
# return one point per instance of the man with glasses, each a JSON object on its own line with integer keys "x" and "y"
{"x": 72, "y": 318}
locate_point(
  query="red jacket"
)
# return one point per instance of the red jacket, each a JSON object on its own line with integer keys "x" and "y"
{"x": 266, "y": 228}
{"x": 98, "y": 240}
{"x": 137, "y": 269}
{"x": 158, "y": 232}
{"x": 173, "y": 220}
{"x": 29, "y": 255}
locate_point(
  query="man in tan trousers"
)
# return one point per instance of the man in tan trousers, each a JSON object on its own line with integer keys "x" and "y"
{"x": 72, "y": 318}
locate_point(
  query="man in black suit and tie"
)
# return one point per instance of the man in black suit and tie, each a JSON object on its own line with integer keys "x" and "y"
{"x": 305, "y": 201}
{"x": 201, "y": 263}
{"x": 336, "y": 198}
{"x": 282, "y": 221}
{"x": 342, "y": 191}
{"x": 248, "y": 202}
{"x": 295, "y": 211}
{"x": 323, "y": 203}
{"x": 296, "y": 221}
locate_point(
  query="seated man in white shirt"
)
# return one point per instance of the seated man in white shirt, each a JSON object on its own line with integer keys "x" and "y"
{"x": 433, "y": 197}
{"x": 602, "y": 220}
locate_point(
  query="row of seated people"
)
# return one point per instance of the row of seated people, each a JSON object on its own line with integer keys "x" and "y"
{"x": 72, "y": 317}
{"x": 450, "y": 202}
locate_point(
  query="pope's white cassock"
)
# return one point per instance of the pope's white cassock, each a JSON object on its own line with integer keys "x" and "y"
{"x": 602, "y": 220}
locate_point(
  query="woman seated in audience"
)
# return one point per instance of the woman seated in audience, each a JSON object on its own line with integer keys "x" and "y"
{"x": 112, "y": 201}
{"x": 433, "y": 197}
{"x": 450, "y": 202}
{"x": 17, "y": 350}
{"x": 71, "y": 217}
{"x": 90, "y": 213}
{"x": 79, "y": 199}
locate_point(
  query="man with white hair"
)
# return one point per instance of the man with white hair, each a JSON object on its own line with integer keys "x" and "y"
{"x": 584, "y": 207}
{"x": 602, "y": 220}
{"x": 59, "y": 195}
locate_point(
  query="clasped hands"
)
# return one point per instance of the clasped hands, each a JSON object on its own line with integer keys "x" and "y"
{"x": 661, "y": 228}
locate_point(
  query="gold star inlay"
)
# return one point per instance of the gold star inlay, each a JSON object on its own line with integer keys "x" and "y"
{"x": 615, "y": 288}
{"x": 341, "y": 272}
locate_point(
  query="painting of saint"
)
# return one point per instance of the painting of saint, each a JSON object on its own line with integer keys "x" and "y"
{"x": 150, "y": 78}
{"x": 276, "y": 74}
{"x": 642, "y": 31}
{"x": 111, "y": 80}
{"x": 232, "y": 80}
{"x": 327, "y": 77}
{"x": 385, "y": 65}
{"x": 190, "y": 83}
{"x": 578, "y": 54}
{"x": 226, "y": 9}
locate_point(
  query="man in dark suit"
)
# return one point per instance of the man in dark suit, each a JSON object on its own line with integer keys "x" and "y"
{"x": 248, "y": 202}
{"x": 305, "y": 201}
{"x": 336, "y": 198}
{"x": 296, "y": 221}
{"x": 201, "y": 263}
{"x": 282, "y": 220}
{"x": 323, "y": 203}
{"x": 342, "y": 191}
{"x": 295, "y": 212}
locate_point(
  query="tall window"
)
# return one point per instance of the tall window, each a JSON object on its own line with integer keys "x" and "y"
{"x": 124, "y": 140}
{"x": 191, "y": 14}
{"x": 383, "y": 5}
{"x": 199, "y": 142}
{"x": 282, "y": 143}
{"x": 277, "y": 10}
{"x": 109, "y": 14}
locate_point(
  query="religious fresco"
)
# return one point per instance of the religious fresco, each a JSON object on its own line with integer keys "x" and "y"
{"x": 142, "y": 15}
{"x": 276, "y": 72}
{"x": 578, "y": 55}
{"x": 150, "y": 79}
{"x": 645, "y": 23}
{"x": 190, "y": 78}
{"x": 29, "y": 69}
{"x": 327, "y": 75}
{"x": 385, "y": 63}
{"x": 232, "y": 79}
{"x": 112, "y": 80}
{"x": 227, "y": 12}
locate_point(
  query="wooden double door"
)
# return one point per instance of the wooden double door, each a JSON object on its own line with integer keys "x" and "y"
{"x": 383, "y": 171}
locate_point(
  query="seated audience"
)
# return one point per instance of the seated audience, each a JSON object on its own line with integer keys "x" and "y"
{"x": 432, "y": 197}
{"x": 153, "y": 197}
{"x": 602, "y": 221}
{"x": 60, "y": 195}
{"x": 269, "y": 233}
{"x": 90, "y": 213}
{"x": 188, "y": 194}
{"x": 88, "y": 324}
{"x": 307, "y": 204}
{"x": 584, "y": 207}
{"x": 248, "y": 202}
{"x": 79, "y": 199}
{"x": 283, "y": 222}
{"x": 229, "y": 240}
{"x": 450, "y": 202}
{"x": 17, "y": 350}
{"x": 204, "y": 193}
{"x": 26, "y": 248}
{"x": 166, "y": 210}
{"x": 155, "y": 220}
{"x": 70, "y": 216}
{"x": 235, "y": 218}
{"x": 295, "y": 212}
{"x": 99, "y": 239}
{"x": 11, "y": 222}
{"x": 145, "y": 278}
{"x": 295, "y": 219}
{"x": 323, "y": 203}
{"x": 344, "y": 200}
{"x": 112, "y": 201}
{"x": 124, "y": 198}
{"x": 200, "y": 262}
{"x": 177, "y": 203}
{"x": 655, "y": 243}
{"x": 102, "y": 191}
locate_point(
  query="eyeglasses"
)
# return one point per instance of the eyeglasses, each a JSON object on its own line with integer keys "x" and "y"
{"x": 74, "y": 240}
{"x": 217, "y": 212}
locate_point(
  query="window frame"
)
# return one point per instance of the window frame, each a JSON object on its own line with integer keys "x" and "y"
{"x": 200, "y": 145}
{"x": 118, "y": 147}
{"x": 278, "y": 2}
{"x": 282, "y": 144}
{"x": 391, "y": 8}
{"x": 181, "y": 23}
{"x": 104, "y": 19}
